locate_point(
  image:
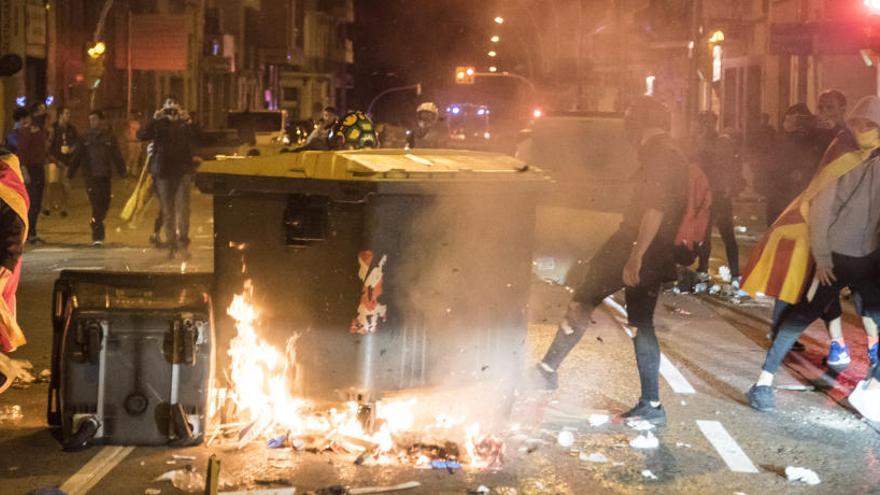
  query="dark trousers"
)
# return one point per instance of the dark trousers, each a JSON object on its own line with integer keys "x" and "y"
{"x": 98, "y": 190}
{"x": 861, "y": 275}
{"x": 35, "y": 189}
{"x": 605, "y": 277}
{"x": 721, "y": 216}
{"x": 174, "y": 195}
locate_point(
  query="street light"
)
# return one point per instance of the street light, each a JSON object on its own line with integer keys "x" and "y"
{"x": 493, "y": 69}
{"x": 495, "y": 39}
{"x": 492, "y": 53}
{"x": 499, "y": 20}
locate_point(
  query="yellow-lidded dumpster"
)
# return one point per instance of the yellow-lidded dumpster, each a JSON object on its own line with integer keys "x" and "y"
{"x": 397, "y": 269}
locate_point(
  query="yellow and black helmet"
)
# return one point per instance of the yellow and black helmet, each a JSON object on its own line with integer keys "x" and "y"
{"x": 354, "y": 131}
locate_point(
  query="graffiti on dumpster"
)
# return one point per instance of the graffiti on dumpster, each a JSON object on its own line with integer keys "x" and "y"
{"x": 370, "y": 311}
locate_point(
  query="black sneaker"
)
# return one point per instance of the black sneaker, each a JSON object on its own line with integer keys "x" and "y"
{"x": 761, "y": 398}
{"x": 644, "y": 411}
{"x": 35, "y": 241}
{"x": 798, "y": 346}
{"x": 543, "y": 379}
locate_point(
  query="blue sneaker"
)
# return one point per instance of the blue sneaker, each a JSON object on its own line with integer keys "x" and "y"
{"x": 838, "y": 356}
{"x": 873, "y": 352}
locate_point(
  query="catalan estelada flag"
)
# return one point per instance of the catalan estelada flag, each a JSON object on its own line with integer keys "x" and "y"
{"x": 14, "y": 194}
{"x": 781, "y": 264}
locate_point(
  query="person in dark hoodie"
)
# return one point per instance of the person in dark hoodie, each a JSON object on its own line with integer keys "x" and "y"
{"x": 793, "y": 160}
{"x": 98, "y": 154}
{"x": 172, "y": 168}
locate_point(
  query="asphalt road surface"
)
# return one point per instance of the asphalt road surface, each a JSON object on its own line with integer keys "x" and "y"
{"x": 714, "y": 442}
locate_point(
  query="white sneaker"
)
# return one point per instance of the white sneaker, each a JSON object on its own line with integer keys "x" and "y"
{"x": 865, "y": 401}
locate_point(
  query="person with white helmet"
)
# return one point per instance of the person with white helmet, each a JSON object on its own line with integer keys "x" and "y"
{"x": 430, "y": 131}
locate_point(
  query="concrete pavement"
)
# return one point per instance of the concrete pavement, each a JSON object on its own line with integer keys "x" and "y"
{"x": 711, "y": 440}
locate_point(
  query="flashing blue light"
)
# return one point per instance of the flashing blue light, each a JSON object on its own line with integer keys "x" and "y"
{"x": 456, "y": 110}
{"x": 21, "y": 101}
{"x": 50, "y": 100}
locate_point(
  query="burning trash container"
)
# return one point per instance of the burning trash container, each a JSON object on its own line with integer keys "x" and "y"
{"x": 396, "y": 270}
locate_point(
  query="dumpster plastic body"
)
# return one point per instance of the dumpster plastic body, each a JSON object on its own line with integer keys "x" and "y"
{"x": 396, "y": 270}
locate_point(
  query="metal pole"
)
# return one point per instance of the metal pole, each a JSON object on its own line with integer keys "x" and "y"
{"x": 417, "y": 87}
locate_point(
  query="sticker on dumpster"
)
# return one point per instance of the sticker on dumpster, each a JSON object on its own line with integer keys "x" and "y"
{"x": 370, "y": 311}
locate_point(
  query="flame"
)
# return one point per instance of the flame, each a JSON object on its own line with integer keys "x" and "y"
{"x": 261, "y": 378}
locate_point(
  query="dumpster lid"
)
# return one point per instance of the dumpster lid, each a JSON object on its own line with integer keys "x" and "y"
{"x": 380, "y": 165}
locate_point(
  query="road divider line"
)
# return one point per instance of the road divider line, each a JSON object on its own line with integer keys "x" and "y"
{"x": 726, "y": 446}
{"x": 95, "y": 470}
{"x": 677, "y": 382}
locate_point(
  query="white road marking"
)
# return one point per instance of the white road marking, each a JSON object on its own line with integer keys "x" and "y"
{"x": 674, "y": 378}
{"x": 93, "y": 471}
{"x": 77, "y": 268}
{"x": 727, "y": 448}
{"x": 677, "y": 382}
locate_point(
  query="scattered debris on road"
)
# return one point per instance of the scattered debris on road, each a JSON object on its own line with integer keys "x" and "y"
{"x": 647, "y": 474}
{"x": 646, "y": 440}
{"x": 186, "y": 479}
{"x": 596, "y": 457}
{"x": 803, "y": 475}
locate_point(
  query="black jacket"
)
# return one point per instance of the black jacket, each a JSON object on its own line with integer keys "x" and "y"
{"x": 98, "y": 153}
{"x": 173, "y": 143}
{"x": 60, "y": 137}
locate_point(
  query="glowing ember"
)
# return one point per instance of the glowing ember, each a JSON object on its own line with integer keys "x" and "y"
{"x": 261, "y": 378}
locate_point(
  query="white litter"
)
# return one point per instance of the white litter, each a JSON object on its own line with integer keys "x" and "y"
{"x": 645, "y": 441}
{"x": 649, "y": 475}
{"x": 565, "y": 439}
{"x": 804, "y": 475}
{"x": 152, "y": 491}
{"x": 681, "y": 444}
{"x": 179, "y": 457}
{"x": 598, "y": 419}
{"x": 594, "y": 457}
{"x": 640, "y": 425}
{"x": 483, "y": 490}
{"x": 724, "y": 273}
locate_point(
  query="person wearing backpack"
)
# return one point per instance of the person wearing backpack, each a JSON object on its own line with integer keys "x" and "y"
{"x": 827, "y": 239}
{"x": 639, "y": 257}
{"x": 172, "y": 169}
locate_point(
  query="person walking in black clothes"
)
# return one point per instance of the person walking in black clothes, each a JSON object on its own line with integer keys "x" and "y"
{"x": 717, "y": 158}
{"x": 171, "y": 132}
{"x": 98, "y": 154}
{"x": 638, "y": 257}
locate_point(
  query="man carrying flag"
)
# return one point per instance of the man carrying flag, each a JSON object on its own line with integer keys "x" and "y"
{"x": 14, "y": 204}
{"x": 828, "y": 238}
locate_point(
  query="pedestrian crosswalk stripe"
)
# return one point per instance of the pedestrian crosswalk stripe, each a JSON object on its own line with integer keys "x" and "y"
{"x": 95, "y": 470}
{"x": 726, "y": 446}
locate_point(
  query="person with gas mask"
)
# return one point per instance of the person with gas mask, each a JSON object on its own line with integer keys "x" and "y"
{"x": 827, "y": 239}
{"x": 430, "y": 131}
{"x": 172, "y": 168}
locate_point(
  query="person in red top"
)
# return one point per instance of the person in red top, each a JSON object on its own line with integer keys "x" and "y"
{"x": 13, "y": 231}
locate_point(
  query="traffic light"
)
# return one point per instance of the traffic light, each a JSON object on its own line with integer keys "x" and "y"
{"x": 95, "y": 64}
{"x": 465, "y": 75}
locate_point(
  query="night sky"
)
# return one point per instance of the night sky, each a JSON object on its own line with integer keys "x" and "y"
{"x": 401, "y": 42}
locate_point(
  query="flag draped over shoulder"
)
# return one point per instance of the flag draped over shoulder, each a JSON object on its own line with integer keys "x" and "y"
{"x": 14, "y": 194}
{"x": 781, "y": 263}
